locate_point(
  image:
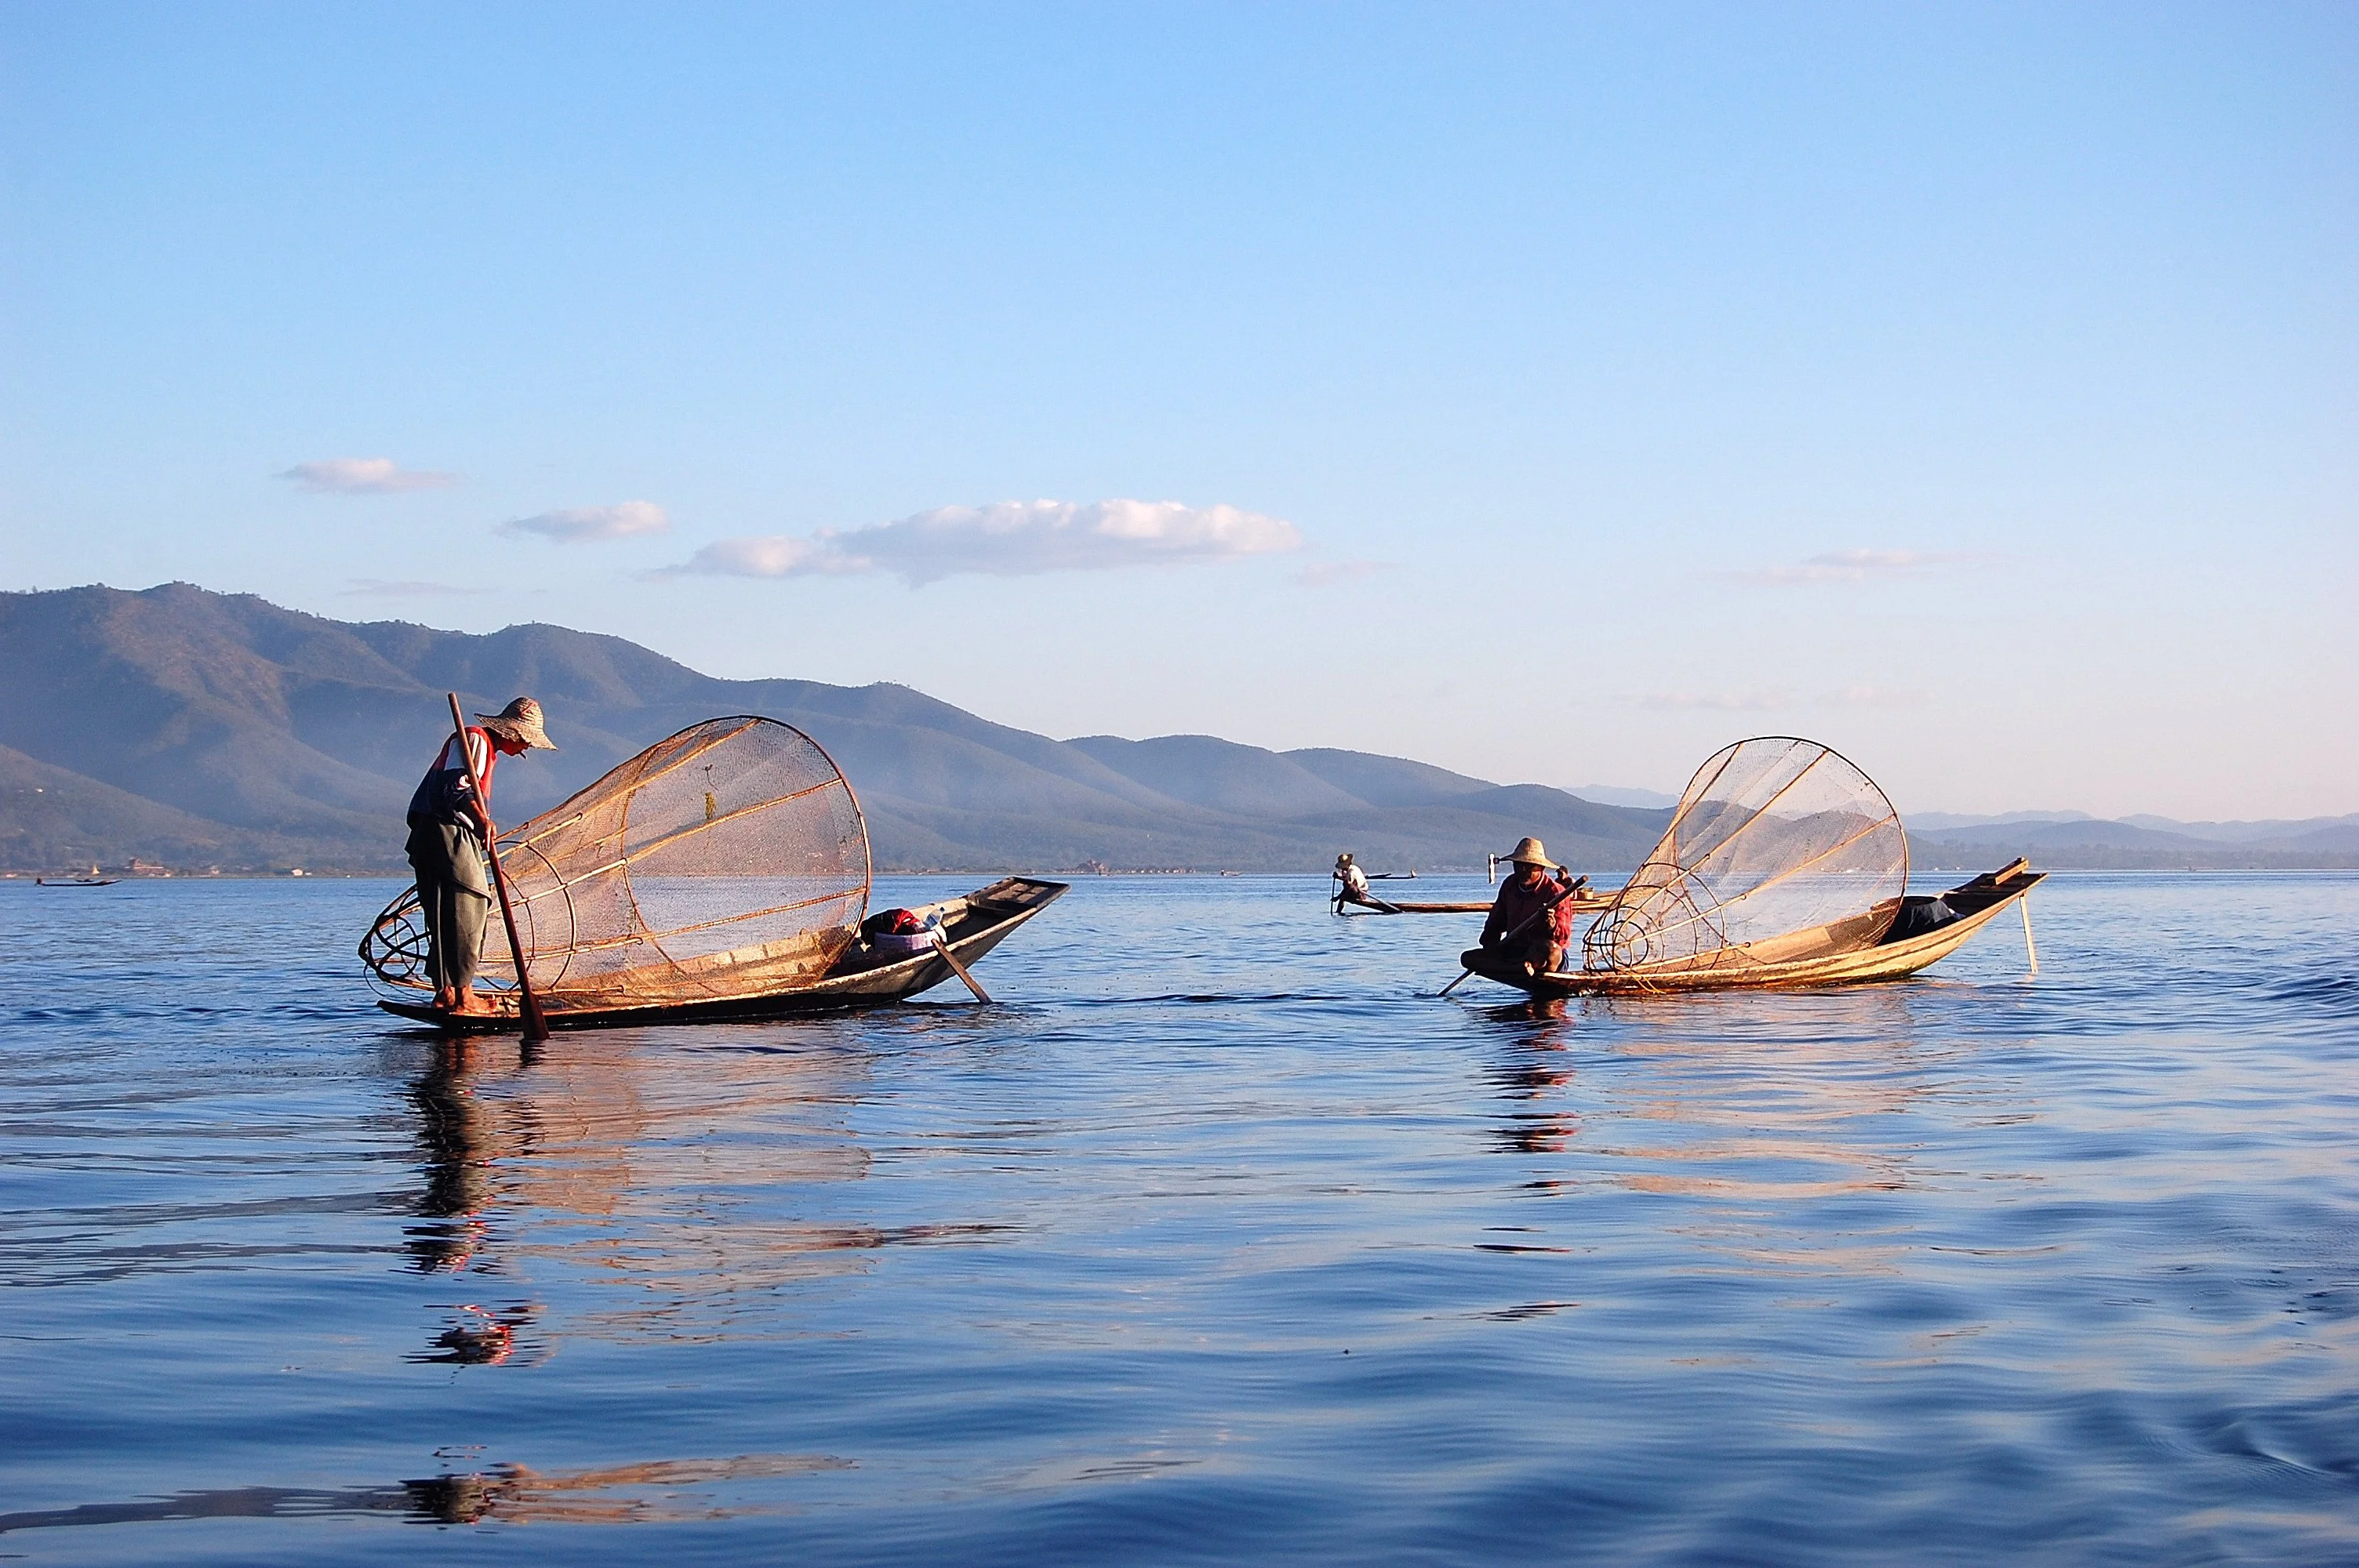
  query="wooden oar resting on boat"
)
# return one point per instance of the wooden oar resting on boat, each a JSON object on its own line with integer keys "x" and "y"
{"x": 1784, "y": 865}
{"x": 722, "y": 873}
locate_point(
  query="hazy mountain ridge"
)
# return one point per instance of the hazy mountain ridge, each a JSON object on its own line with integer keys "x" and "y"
{"x": 204, "y": 729}
{"x": 2091, "y": 843}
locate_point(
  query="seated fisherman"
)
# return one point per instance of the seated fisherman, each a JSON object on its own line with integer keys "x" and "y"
{"x": 1531, "y": 920}
{"x": 445, "y": 848}
{"x": 1355, "y": 881}
{"x": 1356, "y": 887}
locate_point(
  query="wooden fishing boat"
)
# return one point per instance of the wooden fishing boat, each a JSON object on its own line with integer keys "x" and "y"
{"x": 91, "y": 880}
{"x": 1890, "y": 942}
{"x": 1783, "y": 865}
{"x": 861, "y": 975}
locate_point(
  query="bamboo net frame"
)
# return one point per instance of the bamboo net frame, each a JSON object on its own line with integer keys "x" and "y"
{"x": 1779, "y": 849}
{"x": 728, "y": 861}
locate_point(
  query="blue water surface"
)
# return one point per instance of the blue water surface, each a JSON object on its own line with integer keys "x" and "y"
{"x": 1217, "y": 1239}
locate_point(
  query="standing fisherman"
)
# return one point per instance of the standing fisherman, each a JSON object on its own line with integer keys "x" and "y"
{"x": 1531, "y": 920}
{"x": 446, "y": 848}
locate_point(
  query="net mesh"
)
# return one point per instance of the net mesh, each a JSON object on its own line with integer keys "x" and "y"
{"x": 1780, "y": 850}
{"x": 729, "y": 861}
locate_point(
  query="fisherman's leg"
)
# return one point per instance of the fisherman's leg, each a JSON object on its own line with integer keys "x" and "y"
{"x": 434, "y": 917}
{"x": 466, "y": 927}
{"x": 1535, "y": 953}
{"x": 432, "y": 881}
{"x": 470, "y": 900}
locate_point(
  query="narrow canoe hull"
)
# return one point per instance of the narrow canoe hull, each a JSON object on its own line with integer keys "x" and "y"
{"x": 977, "y": 923}
{"x": 1580, "y": 904}
{"x": 1984, "y": 899}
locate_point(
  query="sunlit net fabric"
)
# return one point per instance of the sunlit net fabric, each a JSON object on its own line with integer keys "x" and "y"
{"x": 729, "y": 861}
{"x": 1780, "y": 850}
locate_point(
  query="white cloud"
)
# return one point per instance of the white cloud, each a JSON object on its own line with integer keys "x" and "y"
{"x": 363, "y": 476}
{"x": 1855, "y": 566}
{"x": 1328, "y": 574}
{"x": 1010, "y": 538}
{"x": 590, "y": 524}
{"x": 1718, "y": 701}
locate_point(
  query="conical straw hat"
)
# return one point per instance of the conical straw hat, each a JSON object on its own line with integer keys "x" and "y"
{"x": 1531, "y": 852}
{"x": 520, "y": 720}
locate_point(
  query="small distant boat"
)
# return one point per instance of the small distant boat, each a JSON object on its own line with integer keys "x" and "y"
{"x": 76, "y": 881}
{"x": 1347, "y": 902}
{"x": 1579, "y": 903}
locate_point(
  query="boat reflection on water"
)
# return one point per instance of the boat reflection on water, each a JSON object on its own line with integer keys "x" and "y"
{"x": 1748, "y": 1104}
{"x": 625, "y": 1494}
{"x": 633, "y": 1186}
{"x": 1531, "y": 1079}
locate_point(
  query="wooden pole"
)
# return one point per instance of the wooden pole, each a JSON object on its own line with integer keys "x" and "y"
{"x": 942, "y": 946}
{"x": 2029, "y": 951}
{"x": 535, "y": 1027}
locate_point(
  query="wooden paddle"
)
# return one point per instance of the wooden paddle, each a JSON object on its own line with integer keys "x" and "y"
{"x": 535, "y": 1027}
{"x": 942, "y": 946}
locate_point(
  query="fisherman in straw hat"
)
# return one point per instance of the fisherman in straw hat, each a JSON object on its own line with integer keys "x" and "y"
{"x": 1353, "y": 888}
{"x": 447, "y": 826}
{"x": 1531, "y": 920}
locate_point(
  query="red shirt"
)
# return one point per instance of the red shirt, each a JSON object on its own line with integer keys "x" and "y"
{"x": 488, "y": 756}
{"x": 439, "y": 794}
{"x": 1517, "y": 904}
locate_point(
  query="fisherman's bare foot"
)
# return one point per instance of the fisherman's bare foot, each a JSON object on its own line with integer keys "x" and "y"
{"x": 473, "y": 1006}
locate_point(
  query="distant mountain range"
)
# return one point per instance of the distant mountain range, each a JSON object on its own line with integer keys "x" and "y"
{"x": 2137, "y": 843}
{"x": 202, "y": 729}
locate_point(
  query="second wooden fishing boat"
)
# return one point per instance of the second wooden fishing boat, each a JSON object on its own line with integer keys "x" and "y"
{"x": 1917, "y": 932}
{"x": 1783, "y": 865}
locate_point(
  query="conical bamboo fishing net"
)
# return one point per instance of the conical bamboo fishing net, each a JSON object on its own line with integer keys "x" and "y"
{"x": 729, "y": 861}
{"x": 1780, "y": 850}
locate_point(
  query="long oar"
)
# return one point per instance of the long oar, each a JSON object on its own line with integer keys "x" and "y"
{"x": 942, "y": 946}
{"x": 535, "y": 1027}
{"x": 1521, "y": 926}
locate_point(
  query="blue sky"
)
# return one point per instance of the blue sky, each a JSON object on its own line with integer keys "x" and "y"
{"x": 1551, "y": 393}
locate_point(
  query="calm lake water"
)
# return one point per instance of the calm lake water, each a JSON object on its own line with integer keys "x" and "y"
{"x": 1218, "y": 1238}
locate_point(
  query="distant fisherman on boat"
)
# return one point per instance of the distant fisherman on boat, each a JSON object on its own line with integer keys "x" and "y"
{"x": 446, "y": 848}
{"x": 1531, "y": 920}
{"x": 1355, "y": 887}
{"x": 1355, "y": 881}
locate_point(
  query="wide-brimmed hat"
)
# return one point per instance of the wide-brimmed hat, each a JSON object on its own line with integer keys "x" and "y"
{"x": 1344, "y": 859}
{"x": 520, "y": 721}
{"x": 1531, "y": 852}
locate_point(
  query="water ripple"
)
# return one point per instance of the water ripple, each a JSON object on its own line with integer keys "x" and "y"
{"x": 1223, "y": 1239}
